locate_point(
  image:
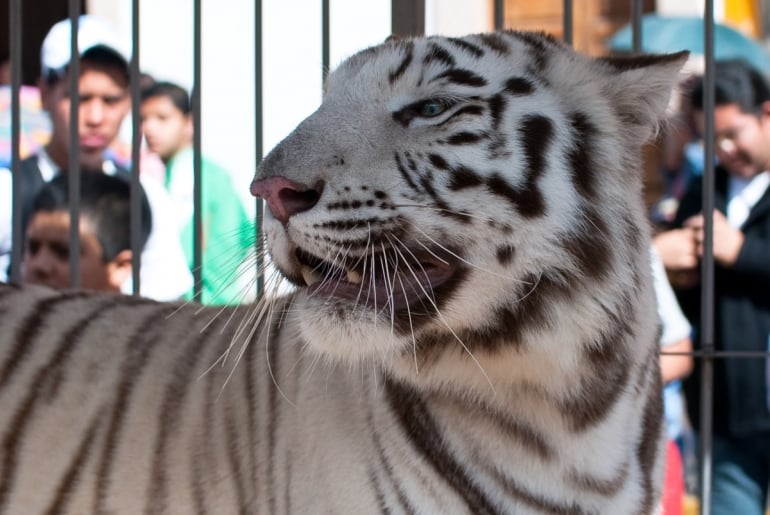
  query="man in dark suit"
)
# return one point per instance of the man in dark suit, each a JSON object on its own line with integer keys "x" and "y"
{"x": 741, "y": 225}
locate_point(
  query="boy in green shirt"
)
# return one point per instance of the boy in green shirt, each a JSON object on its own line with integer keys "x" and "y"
{"x": 228, "y": 235}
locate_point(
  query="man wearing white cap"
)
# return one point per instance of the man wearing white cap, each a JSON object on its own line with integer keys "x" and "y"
{"x": 104, "y": 102}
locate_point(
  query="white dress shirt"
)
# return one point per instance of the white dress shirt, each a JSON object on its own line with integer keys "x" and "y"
{"x": 742, "y": 195}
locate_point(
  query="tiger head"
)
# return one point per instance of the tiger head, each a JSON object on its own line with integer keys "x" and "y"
{"x": 465, "y": 195}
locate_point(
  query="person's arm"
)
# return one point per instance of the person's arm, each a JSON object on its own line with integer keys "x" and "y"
{"x": 676, "y": 366}
{"x": 727, "y": 240}
{"x": 747, "y": 255}
{"x": 675, "y": 328}
{"x": 678, "y": 252}
{"x": 677, "y": 247}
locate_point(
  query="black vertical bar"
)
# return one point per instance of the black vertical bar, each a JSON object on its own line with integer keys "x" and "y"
{"x": 407, "y": 17}
{"x": 259, "y": 142}
{"x": 325, "y": 38}
{"x": 707, "y": 265}
{"x": 197, "y": 156}
{"x": 499, "y": 14}
{"x": 568, "y": 22}
{"x": 15, "y": 44}
{"x": 74, "y": 145}
{"x": 636, "y": 26}
{"x": 136, "y": 135}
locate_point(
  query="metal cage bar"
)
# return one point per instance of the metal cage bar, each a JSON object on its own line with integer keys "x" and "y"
{"x": 707, "y": 267}
{"x": 74, "y": 145}
{"x": 15, "y": 46}
{"x": 567, "y": 23}
{"x": 408, "y": 17}
{"x": 636, "y": 25}
{"x": 197, "y": 153}
{"x": 136, "y": 138}
{"x": 325, "y": 38}
{"x": 258, "y": 144}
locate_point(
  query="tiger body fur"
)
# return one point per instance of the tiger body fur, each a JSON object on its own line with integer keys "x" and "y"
{"x": 473, "y": 329}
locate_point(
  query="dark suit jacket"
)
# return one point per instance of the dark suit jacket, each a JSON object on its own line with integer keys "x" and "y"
{"x": 741, "y": 321}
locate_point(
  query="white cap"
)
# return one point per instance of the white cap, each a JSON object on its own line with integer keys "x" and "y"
{"x": 93, "y": 32}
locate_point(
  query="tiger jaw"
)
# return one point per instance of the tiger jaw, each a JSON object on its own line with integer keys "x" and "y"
{"x": 312, "y": 276}
{"x": 377, "y": 281}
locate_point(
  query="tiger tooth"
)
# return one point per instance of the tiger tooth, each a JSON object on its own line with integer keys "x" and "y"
{"x": 354, "y": 277}
{"x": 310, "y": 275}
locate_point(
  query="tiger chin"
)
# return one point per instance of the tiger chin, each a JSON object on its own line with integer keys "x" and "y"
{"x": 472, "y": 330}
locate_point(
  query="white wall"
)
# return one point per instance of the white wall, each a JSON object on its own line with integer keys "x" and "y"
{"x": 291, "y": 58}
{"x": 458, "y": 17}
{"x": 688, "y": 8}
{"x": 291, "y": 62}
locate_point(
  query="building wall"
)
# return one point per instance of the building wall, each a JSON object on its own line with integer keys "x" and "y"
{"x": 37, "y": 18}
{"x": 292, "y": 71}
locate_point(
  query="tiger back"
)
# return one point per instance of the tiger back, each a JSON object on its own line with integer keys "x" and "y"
{"x": 472, "y": 328}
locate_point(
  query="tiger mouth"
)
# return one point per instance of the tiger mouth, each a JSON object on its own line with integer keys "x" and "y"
{"x": 377, "y": 281}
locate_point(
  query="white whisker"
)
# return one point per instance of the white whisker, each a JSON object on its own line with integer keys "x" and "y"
{"x": 452, "y": 332}
{"x": 408, "y": 309}
{"x": 460, "y": 258}
{"x": 270, "y": 364}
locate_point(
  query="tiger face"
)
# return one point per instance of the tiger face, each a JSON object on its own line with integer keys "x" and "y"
{"x": 482, "y": 191}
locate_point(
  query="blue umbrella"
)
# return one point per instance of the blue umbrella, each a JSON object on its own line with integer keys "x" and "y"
{"x": 664, "y": 34}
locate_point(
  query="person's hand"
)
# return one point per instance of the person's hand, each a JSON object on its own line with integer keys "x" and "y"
{"x": 679, "y": 253}
{"x": 727, "y": 240}
{"x": 677, "y": 249}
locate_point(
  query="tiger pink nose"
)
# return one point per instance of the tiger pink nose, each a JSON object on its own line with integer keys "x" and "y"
{"x": 285, "y": 197}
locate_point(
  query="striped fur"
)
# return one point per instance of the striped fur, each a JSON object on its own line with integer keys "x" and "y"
{"x": 472, "y": 330}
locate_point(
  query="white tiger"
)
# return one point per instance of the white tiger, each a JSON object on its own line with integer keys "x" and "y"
{"x": 473, "y": 329}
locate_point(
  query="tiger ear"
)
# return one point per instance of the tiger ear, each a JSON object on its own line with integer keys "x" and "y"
{"x": 641, "y": 87}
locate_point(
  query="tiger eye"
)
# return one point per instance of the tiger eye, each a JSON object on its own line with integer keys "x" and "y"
{"x": 431, "y": 108}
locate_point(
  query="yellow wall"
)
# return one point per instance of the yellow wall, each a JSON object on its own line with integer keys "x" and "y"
{"x": 743, "y": 15}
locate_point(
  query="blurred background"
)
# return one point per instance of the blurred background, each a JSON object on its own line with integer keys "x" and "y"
{"x": 292, "y": 70}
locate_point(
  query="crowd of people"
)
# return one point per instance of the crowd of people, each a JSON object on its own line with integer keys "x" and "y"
{"x": 166, "y": 261}
{"x": 740, "y": 452}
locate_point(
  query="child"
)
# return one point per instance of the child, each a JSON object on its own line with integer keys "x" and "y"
{"x": 105, "y": 233}
{"x": 228, "y": 234}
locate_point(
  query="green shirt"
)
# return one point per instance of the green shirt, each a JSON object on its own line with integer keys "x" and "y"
{"x": 228, "y": 235}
